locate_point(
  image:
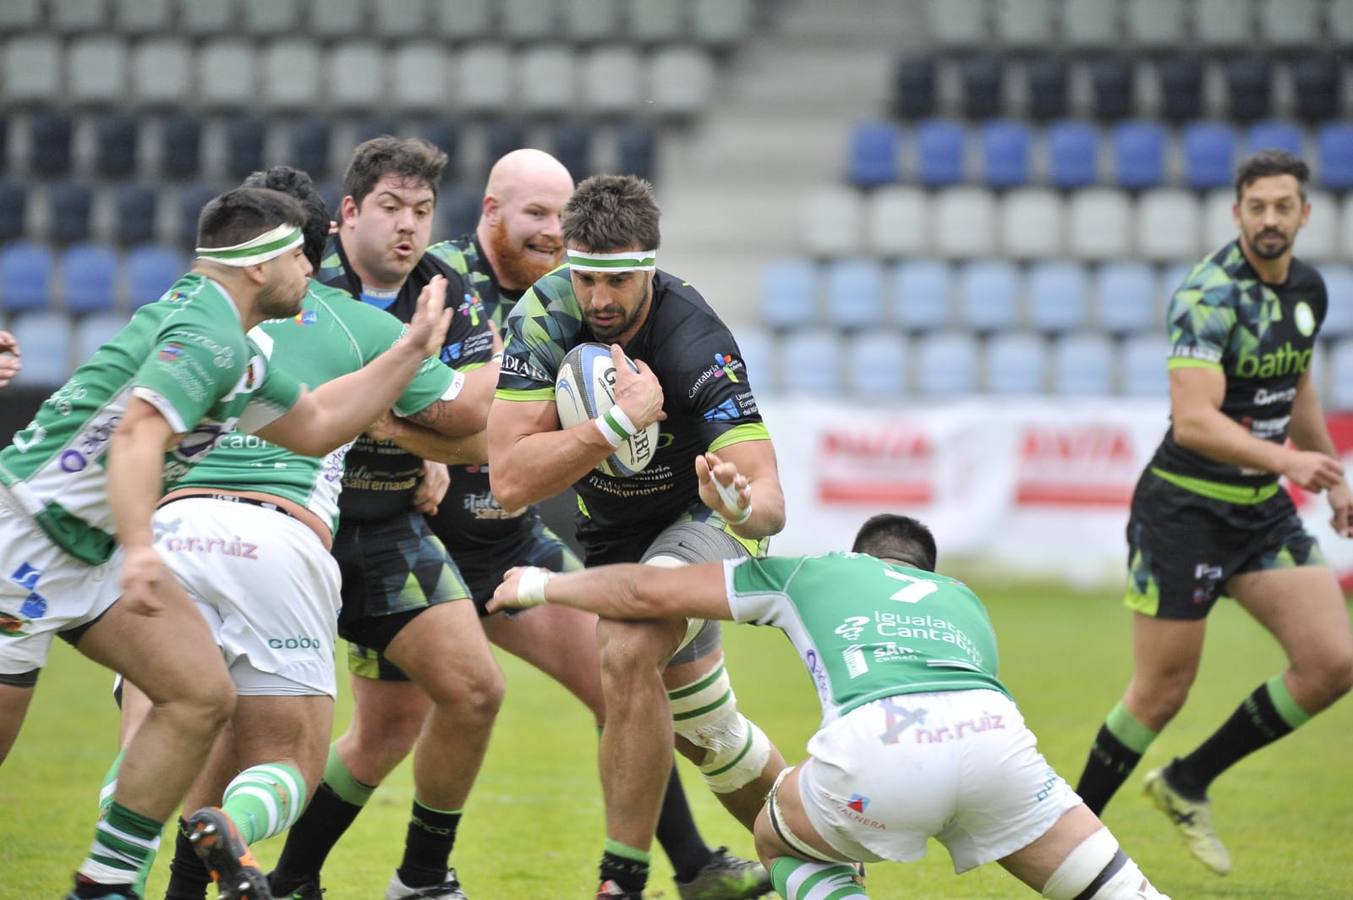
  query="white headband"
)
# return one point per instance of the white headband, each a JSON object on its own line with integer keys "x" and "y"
{"x": 629, "y": 261}
{"x": 268, "y": 245}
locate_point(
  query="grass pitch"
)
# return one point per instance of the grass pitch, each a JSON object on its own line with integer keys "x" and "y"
{"x": 533, "y": 827}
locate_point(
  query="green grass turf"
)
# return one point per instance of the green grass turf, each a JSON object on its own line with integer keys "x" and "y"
{"x": 533, "y": 828}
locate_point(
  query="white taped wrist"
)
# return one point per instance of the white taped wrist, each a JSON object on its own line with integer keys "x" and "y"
{"x": 615, "y": 426}
{"x": 729, "y": 495}
{"x": 531, "y": 586}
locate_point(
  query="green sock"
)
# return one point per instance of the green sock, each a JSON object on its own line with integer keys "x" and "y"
{"x": 109, "y": 786}
{"x": 124, "y": 842}
{"x": 798, "y": 879}
{"x": 264, "y": 800}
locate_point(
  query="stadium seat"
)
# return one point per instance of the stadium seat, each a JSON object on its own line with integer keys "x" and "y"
{"x": 655, "y": 21}
{"x": 148, "y": 271}
{"x": 1340, "y": 395}
{"x": 136, "y": 208}
{"x": 636, "y": 150}
{"x": 309, "y": 141}
{"x": 1125, "y": 297}
{"x": 115, "y": 139}
{"x": 788, "y": 297}
{"x": 1181, "y": 88}
{"x": 444, "y": 132}
{"x": 571, "y": 144}
{"x": 180, "y": 145}
{"x": 913, "y": 88}
{"x": 226, "y": 73}
{"x": 681, "y": 80}
{"x": 356, "y": 76}
{"x": 32, "y": 69}
{"x": 1111, "y": 84}
{"x": 965, "y": 222}
{"x": 590, "y": 21}
{"x": 1073, "y": 154}
{"x": 1275, "y": 135}
{"x": 1090, "y": 24}
{"x": 4, "y": 142}
{"x": 939, "y": 152}
{"x": 1223, "y": 24}
{"x": 612, "y": 80}
{"x": 69, "y": 204}
{"x": 1058, "y": 297}
{"x": 1031, "y": 224}
{"x": 462, "y": 20}
{"x": 756, "y": 346}
{"x": 1155, "y": 24}
{"x": 822, "y": 376}
{"x": 1209, "y": 150}
{"x": 721, "y": 23}
{"x": 1169, "y": 224}
{"x": 898, "y": 221}
{"x": 1249, "y": 88}
{"x": 207, "y": 17}
{"x": 832, "y": 221}
{"x": 337, "y": 18}
{"x": 1319, "y": 239}
{"x": 922, "y": 289}
{"x": 876, "y": 366}
{"x": 1082, "y": 366}
{"x": 983, "y": 78}
{"x": 96, "y": 69}
{"x": 1219, "y": 222}
{"x": 44, "y": 338}
{"x": 13, "y": 209}
{"x": 946, "y": 365}
{"x": 549, "y": 79}
{"x": 49, "y": 143}
{"x": 873, "y": 156}
{"x": 485, "y": 78}
{"x": 88, "y": 278}
{"x": 1015, "y": 364}
{"x": 376, "y": 125}
{"x": 1171, "y": 278}
{"x": 1338, "y": 322}
{"x": 988, "y": 296}
{"x": 1048, "y": 83}
{"x": 20, "y": 15}
{"x": 244, "y": 137}
{"x": 958, "y": 23}
{"x": 1317, "y": 87}
{"x": 141, "y": 17}
{"x": 332, "y": 194}
{"x": 293, "y": 74}
{"x": 1143, "y": 371}
{"x": 503, "y": 136}
{"x": 270, "y": 18}
{"x": 1005, "y": 153}
{"x": 528, "y": 20}
{"x": 1099, "y": 224}
{"x": 191, "y": 199}
{"x": 399, "y": 21}
{"x": 1340, "y": 21}
{"x": 1139, "y": 154}
{"x": 94, "y": 330}
{"x": 458, "y": 210}
{"x": 25, "y": 276}
{"x": 854, "y": 293}
{"x": 1290, "y": 24}
{"x": 161, "y": 71}
{"x": 1335, "y": 142}
{"x": 1024, "y": 24}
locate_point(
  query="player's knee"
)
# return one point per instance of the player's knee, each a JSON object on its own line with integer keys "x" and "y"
{"x": 1336, "y": 675}
{"x": 735, "y": 750}
{"x": 627, "y": 650}
{"x": 1098, "y": 869}
{"x": 475, "y": 694}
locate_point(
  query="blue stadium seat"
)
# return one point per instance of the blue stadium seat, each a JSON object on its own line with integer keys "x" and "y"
{"x": 444, "y": 132}
{"x": 1073, "y": 154}
{"x": 44, "y": 338}
{"x": 1082, "y": 365}
{"x": 876, "y": 365}
{"x": 95, "y": 330}
{"x": 988, "y": 294}
{"x": 1059, "y": 296}
{"x": 1209, "y": 150}
{"x": 1015, "y": 363}
{"x": 135, "y": 206}
{"x": 983, "y": 86}
{"x": 1340, "y": 377}
{"x": 25, "y": 276}
{"x": 503, "y": 136}
{"x": 1339, "y": 316}
{"x": 756, "y": 346}
{"x": 368, "y": 127}
{"x": 913, "y": 95}
{"x": 572, "y": 145}
{"x": 1275, "y": 135}
{"x": 821, "y": 377}
{"x": 1249, "y": 88}
{"x": 1139, "y": 154}
{"x": 1048, "y": 88}
{"x": 1318, "y": 88}
{"x": 854, "y": 294}
{"x": 637, "y": 150}
{"x": 1181, "y": 88}
{"x": 1111, "y": 86}
{"x": 191, "y": 200}
{"x": 1143, "y": 368}
{"x": 1168, "y": 281}
{"x": 88, "y": 278}
{"x": 946, "y": 364}
{"x": 310, "y": 139}
{"x": 1005, "y": 153}
{"x": 149, "y": 270}
{"x": 180, "y": 145}
{"x": 1125, "y": 294}
{"x": 69, "y": 203}
{"x": 921, "y": 292}
{"x": 872, "y": 159}
{"x": 13, "y": 209}
{"x": 788, "y": 297}
{"x": 49, "y": 135}
{"x": 245, "y": 135}
{"x": 1335, "y": 140}
{"x": 115, "y": 137}
{"x": 458, "y": 210}
{"x": 939, "y": 150}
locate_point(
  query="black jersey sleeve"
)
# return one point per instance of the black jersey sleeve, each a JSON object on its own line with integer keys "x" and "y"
{"x": 713, "y": 384}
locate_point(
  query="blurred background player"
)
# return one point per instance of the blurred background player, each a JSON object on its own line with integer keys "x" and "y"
{"x": 1209, "y": 516}
{"x": 10, "y": 358}
{"x": 612, "y": 291}
{"x": 919, "y": 737}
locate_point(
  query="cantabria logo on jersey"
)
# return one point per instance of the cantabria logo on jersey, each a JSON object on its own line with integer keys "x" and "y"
{"x": 1304, "y": 318}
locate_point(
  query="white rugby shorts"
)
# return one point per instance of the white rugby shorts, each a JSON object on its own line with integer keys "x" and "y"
{"x": 266, "y": 586}
{"x": 959, "y": 766}
{"x": 44, "y": 590}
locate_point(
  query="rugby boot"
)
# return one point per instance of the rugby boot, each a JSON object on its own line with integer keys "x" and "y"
{"x": 217, "y": 842}
{"x": 447, "y": 890}
{"x": 726, "y": 877}
{"x": 119, "y": 893}
{"x": 609, "y": 890}
{"x": 308, "y": 891}
{"x": 1193, "y": 818}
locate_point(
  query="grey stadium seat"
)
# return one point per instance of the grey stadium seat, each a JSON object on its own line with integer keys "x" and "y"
{"x": 832, "y": 221}
{"x": 1219, "y": 225}
{"x": 965, "y": 222}
{"x": 1224, "y": 23}
{"x": 335, "y": 18}
{"x": 898, "y": 221}
{"x": 226, "y": 70}
{"x": 207, "y": 17}
{"x": 162, "y": 72}
{"x": 1024, "y": 24}
{"x": 1032, "y": 223}
{"x": 591, "y": 20}
{"x": 528, "y": 20}
{"x": 96, "y": 70}
{"x": 1319, "y": 239}
{"x": 1156, "y": 24}
{"x": 32, "y": 69}
{"x": 20, "y": 15}
{"x": 1099, "y": 224}
{"x": 141, "y": 16}
{"x": 421, "y": 73}
{"x": 958, "y": 23}
{"x": 549, "y": 78}
{"x": 292, "y": 74}
{"x": 613, "y": 80}
{"x": 462, "y": 20}
{"x": 1090, "y": 23}
{"x": 1290, "y": 24}
{"x": 270, "y": 18}
{"x": 1340, "y": 21}
{"x": 681, "y": 81}
{"x": 1169, "y": 224}
{"x": 486, "y": 77}
{"x": 77, "y": 15}
{"x": 655, "y": 21}
{"x": 356, "y": 75}
{"x": 407, "y": 18}
{"x": 721, "y": 22}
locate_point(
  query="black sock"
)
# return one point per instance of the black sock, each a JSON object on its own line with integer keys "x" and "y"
{"x": 89, "y": 890}
{"x": 188, "y": 877}
{"x": 1109, "y": 764}
{"x": 1255, "y": 723}
{"x": 677, "y": 833}
{"x": 427, "y": 846}
{"x": 311, "y": 838}
{"x": 630, "y": 874}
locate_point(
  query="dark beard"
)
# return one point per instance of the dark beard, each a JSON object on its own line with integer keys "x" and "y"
{"x": 615, "y": 331}
{"x": 273, "y": 304}
{"x": 1263, "y": 253}
{"x": 512, "y": 264}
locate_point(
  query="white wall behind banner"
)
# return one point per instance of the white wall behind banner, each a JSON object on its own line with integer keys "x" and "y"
{"x": 1035, "y": 487}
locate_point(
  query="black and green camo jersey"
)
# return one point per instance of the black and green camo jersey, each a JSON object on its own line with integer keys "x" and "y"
{"x": 706, "y": 395}
{"x": 1261, "y": 337}
{"x": 380, "y": 477}
{"x": 469, "y": 515}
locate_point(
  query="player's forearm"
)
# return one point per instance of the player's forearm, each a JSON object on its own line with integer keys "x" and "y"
{"x": 768, "y": 510}
{"x": 342, "y": 408}
{"x": 539, "y": 466}
{"x": 454, "y": 451}
{"x": 135, "y": 482}
{"x": 1218, "y": 437}
{"x": 1308, "y": 429}
{"x": 612, "y": 592}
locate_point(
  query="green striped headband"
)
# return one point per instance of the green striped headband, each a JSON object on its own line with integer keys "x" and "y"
{"x": 628, "y": 261}
{"x": 268, "y": 245}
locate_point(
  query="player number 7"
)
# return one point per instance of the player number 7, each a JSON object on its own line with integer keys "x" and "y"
{"x": 915, "y": 589}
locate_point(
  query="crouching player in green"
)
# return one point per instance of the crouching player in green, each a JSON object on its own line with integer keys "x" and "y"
{"x": 919, "y": 737}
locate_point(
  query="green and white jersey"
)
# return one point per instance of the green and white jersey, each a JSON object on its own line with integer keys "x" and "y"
{"x": 330, "y": 337}
{"x": 186, "y": 355}
{"x": 867, "y": 629}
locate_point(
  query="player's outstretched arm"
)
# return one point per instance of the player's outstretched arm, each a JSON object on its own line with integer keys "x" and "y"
{"x": 628, "y": 591}
{"x": 742, "y": 483}
{"x": 135, "y": 466}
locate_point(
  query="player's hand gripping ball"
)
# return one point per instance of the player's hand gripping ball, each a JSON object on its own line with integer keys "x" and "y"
{"x": 585, "y": 389}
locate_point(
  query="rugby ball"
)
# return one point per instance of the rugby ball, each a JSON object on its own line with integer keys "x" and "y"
{"x": 584, "y": 389}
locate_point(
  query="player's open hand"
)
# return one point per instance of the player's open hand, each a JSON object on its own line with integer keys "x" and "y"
{"x": 10, "y": 358}
{"x": 1313, "y": 471}
{"x": 144, "y": 578}
{"x": 722, "y": 488}
{"x": 638, "y": 393}
{"x": 505, "y": 594}
{"x": 1341, "y": 503}
{"x": 432, "y": 487}
{"x": 431, "y": 318}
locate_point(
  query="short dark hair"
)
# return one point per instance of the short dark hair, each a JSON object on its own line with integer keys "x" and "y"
{"x": 244, "y": 213}
{"x": 411, "y": 159}
{"x": 297, "y": 184}
{"x": 611, "y": 212}
{"x": 1271, "y": 162}
{"x": 902, "y": 538}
